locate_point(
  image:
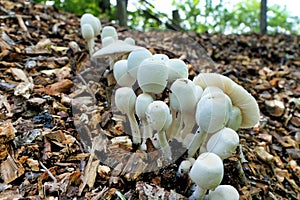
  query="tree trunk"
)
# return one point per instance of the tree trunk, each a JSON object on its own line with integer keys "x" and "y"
{"x": 263, "y": 17}
{"x": 122, "y": 12}
{"x": 104, "y": 6}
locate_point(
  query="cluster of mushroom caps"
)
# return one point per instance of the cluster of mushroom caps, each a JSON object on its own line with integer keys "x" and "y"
{"x": 213, "y": 102}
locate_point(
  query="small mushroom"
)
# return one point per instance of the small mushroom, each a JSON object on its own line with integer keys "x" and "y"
{"x": 88, "y": 18}
{"x": 159, "y": 118}
{"x": 223, "y": 143}
{"x": 212, "y": 114}
{"x": 88, "y": 34}
{"x": 90, "y": 28}
{"x": 125, "y": 102}
{"x": 152, "y": 75}
{"x": 224, "y": 192}
{"x": 141, "y": 105}
{"x": 135, "y": 58}
{"x": 176, "y": 69}
{"x": 183, "y": 101}
{"x": 109, "y": 31}
{"x": 238, "y": 95}
{"x": 121, "y": 74}
{"x": 207, "y": 172}
{"x": 129, "y": 40}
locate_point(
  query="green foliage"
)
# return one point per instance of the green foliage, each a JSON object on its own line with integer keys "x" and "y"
{"x": 197, "y": 15}
{"x": 243, "y": 18}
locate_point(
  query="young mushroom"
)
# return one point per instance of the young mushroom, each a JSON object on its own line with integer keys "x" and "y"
{"x": 135, "y": 58}
{"x": 88, "y": 34}
{"x": 223, "y": 143}
{"x": 121, "y": 74}
{"x": 212, "y": 114}
{"x": 207, "y": 173}
{"x": 183, "y": 100}
{"x": 152, "y": 75}
{"x": 125, "y": 102}
{"x": 239, "y": 96}
{"x": 224, "y": 192}
{"x": 90, "y": 28}
{"x": 176, "y": 69}
{"x": 141, "y": 105}
{"x": 109, "y": 31}
{"x": 159, "y": 118}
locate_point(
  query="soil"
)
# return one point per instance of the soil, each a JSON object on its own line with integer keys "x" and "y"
{"x": 61, "y": 137}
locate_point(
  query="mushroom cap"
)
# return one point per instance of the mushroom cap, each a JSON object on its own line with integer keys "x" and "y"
{"x": 87, "y": 32}
{"x": 176, "y": 69}
{"x": 158, "y": 115}
{"x": 224, "y": 192}
{"x": 107, "y": 41}
{"x": 135, "y": 58}
{"x": 116, "y": 48}
{"x": 207, "y": 171}
{"x": 184, "y": 96}
{"x": 141, "y": 105}
{"x": 238, "y": 95}
{"x": 109, "y": 31}
{"x": 235, "y": 118}
{"x": 121, "y": 74}
{"x": 129, "y": 40}
{"x": 152, "y": 75}
{"x": 161, "y": 56}
{"x": 212, "y": 112}
{"x": 223, "y": 143}
{"x": 88, "y": 18}
{"x": 125, "y": 99}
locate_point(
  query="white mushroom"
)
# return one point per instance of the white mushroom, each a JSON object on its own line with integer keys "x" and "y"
{"x": 235, "y": 118}
{"x": 207, "y": 172}
{"x": 212, "y": 114}
{"x": 129, "y": 40}
{"x": 223, "y": 143}
{"x": 176, "y": 69}
{"x": 159, "y": 118}
{"x": 125, "y": 101}
{"x": 109, "y": 31}
{"x": 183, "y": 100}
{"x": 185, "y": 167}
{"x": 88, "y": 34}
{"x": 238, "y": 95}
{"x": 88, "y": 18}
{"x": 152, "y": 75}
{"x": 224, "y": 192}
{"x": 135, "y": 58}
{"x": 121, "y": 74}
{"x": 141, "y": 105}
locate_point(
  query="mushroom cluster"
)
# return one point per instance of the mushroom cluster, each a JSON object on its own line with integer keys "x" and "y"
{"x": 204, "y": 113}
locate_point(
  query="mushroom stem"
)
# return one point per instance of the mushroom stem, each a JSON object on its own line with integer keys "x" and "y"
{"x": 90, "y": 45}
{"x": 189, "y": 123}
{"x": 199, "y": 193}
{"x": 165, "y": 148}
{"x": 146, "y": 133}
{"x": 176, "y": 124}
{"x": 136, "y": 139}
{"x": 199, "y": 137}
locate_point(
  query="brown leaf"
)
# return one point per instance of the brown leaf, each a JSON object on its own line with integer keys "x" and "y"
{"x": 59, "y": 87}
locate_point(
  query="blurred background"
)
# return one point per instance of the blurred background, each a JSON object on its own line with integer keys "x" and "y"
{"x": 211, "y": 16}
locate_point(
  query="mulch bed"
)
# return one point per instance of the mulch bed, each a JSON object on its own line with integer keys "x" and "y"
{"x": 44, "y": 69}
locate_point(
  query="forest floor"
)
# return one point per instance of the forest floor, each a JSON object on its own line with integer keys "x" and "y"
{"x": 46, "y": 111}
